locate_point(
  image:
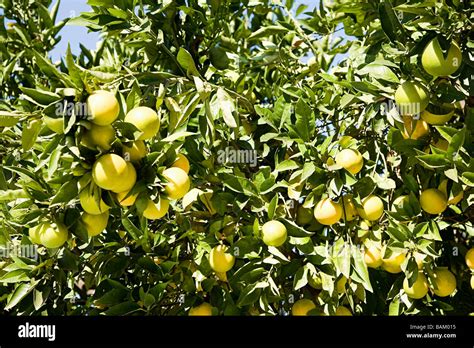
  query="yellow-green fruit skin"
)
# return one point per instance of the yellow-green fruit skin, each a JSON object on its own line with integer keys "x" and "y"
{"x": 125, "y": 201}
{"x": 328, "y": 212}
{"x": 373, "y": 256}
{"x": 274, "y": 233}
{"x": 95, "y": 224}
{"x": 155, "y": 211}
{"x": 204, "y": 309}
{"x": 341, "y": 285}
{"x": 182, "y": 162}
{"x": 178, "y": 182}
{"x": 470, "y": 258}
{"x": 435, "y": 64}
{"x": 53, "y": 235}
{"x": 411, "y": 98}
{"x": 127, "y": 181}
{"x": 112, "y": 172}
{"x": 35, "y": 232}
{"x": 343, "y": 311}
{"x": 372, "y": 208}
{"x": 393, "y": 263}
{"x": 350, "y": 210}
{"x": 445, "y": 282}
{"x": 304, "y": 216}
{"x": 135, "y": 152}
{"x": 443, "y": 187}
{"x": 99, "y": 136}
{"x": 472, "y": 282}
{"x": 436, "y": 119}
{"x": 302, "y": 307}
{"x": 103, "y": 107}
{"x": 146, "y": 120}
{"x": 419, "y": 289}
{"x": 351, "y": 160}
{"x": 220, "y": 260}
{"x": 433, "y": 201}
{"x": 90, "y": 205}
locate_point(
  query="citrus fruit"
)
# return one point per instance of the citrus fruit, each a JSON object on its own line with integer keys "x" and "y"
{"x": 274, "y": 233}
{"x": 220, "y": 260}
{"x": 95, "y": 224}
{"x": 433, "y": 201}
{"x": 146, "y": 120}
{"x": 328, "y": 212}
{"x": 436, "y": 64}
{"x": 351, "y": 160}
{"x": 178, "y": 182}
{"x": 103, "y": 107}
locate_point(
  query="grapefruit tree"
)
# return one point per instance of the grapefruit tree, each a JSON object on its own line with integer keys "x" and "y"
{"x": 238, "y": 158}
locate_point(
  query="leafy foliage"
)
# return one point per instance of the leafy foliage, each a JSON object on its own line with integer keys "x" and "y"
{"x": 254, "y": 75}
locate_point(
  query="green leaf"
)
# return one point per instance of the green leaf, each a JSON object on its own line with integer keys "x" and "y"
{"x": 267, "y": 31}
{"x": 185, "y": 59}
{"x": 66, "y": 193}
{"x": 390, "y": 23}
{"x": 30, "y": 134}
{"x": 19, "y": 294}
{"x": 9, "y": 119}
{"x": 250, "y": 294}
{"x": 41, "y": 97}
{"x": 74, "y": 71}
{"x": 125, "y": 308}
{"x": 272, "y": 206}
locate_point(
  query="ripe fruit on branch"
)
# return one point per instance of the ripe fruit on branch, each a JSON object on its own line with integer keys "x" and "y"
{"x": 302, "y": 307}
{"x": 204, "y": 309}
{"x": 95, "y": 224}
{"x": 419, "y": 289}
{"x": 178, "y": 182}
{"x": 135, "y": 152}
{"x": 436, "y": 64}
{"x": 372, "y": 208}
{"x": 445, "y": 282}
{"x": 146, "y": 120}
{"x": 470, "y": 258}
{"x": 181, "y": 162}
{"x": 103, "y": 107}
{"x": 341, "y": 285}
{"x": 112, "y": 172}
{"x": 328, "y": 212}
{"x": 274, "y": 233}
{"x": 304, "y": 216}
{"x": 99, "y": 136}
{"x": 350, "y": 210}
{"x": 154, "y": 211}
{"x": 393, "y": 263}
{"x": 411, "y": 98}
{"x": 92, "y": 205}
{"x": 416, "y": 131}
{"x": 128, "y": 180}
{"x": 433, "y": 201}
{"x": 443, "y": 187}
{"x": 125, "y": 200}
{"x": 437, "y": 115}
{"x": 34, "y": 233}
{"x": 53, "y": 235}
{"x": 343, "y": 311}
{"x": 373, "y": 255}
{"x": 351, "y": 160}
{"x": 220, "y": 260}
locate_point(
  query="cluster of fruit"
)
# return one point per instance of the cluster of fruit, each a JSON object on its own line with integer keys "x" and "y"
{"x": 114, "y": 172}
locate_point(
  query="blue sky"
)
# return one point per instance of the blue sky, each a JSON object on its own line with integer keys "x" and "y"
{"x": 77, "y": 34}
{"x": 71, "y": 33}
